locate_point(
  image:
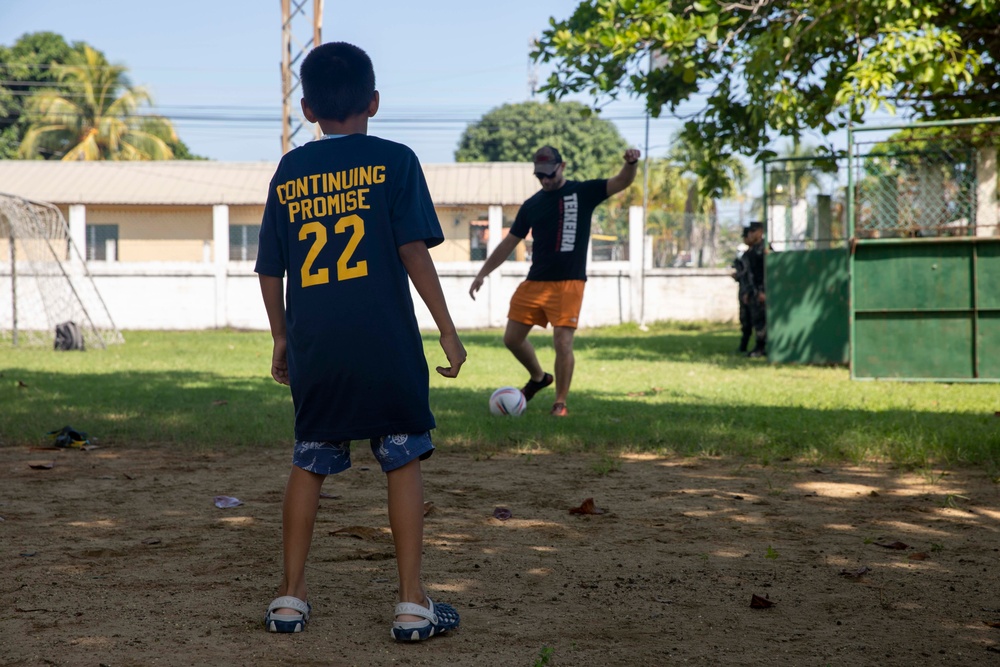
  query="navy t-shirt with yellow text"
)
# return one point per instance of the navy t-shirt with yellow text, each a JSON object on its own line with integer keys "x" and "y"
{"x": 337, "y": 212}
{"x": 559, "y": 222}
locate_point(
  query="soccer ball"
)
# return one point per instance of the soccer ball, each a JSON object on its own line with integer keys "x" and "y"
{"x": 508, "y": 401}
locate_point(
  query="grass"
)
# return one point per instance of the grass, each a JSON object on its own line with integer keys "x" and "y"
{"x": 671, "y": 390}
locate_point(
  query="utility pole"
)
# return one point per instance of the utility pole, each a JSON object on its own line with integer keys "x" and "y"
{"x": 294, "y": 16}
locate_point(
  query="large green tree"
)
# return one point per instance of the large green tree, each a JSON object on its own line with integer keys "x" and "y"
{"x": 779, "y": 67}
{"x": 60, "y": 100}
{"x": 26, "y": 68}
{"x": 97, "y": 119}
{"x": 591, "y": 146}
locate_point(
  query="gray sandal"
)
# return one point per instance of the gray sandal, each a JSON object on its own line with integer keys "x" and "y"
{"x": 287, "y": 622}
{"x": 439, "y": 618}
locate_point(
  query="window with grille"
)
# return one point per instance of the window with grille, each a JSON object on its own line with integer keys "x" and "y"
{"x": 243, "y": 242}
{"x": 102, "y": 243}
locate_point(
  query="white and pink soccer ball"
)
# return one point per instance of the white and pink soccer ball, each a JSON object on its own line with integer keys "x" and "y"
{"x": 508, "y": 401}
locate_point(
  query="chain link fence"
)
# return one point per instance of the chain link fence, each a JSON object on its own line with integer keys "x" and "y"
{"x": 928, "y": 181}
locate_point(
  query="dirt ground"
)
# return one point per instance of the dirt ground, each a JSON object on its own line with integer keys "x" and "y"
{"x": 120, "y": 557}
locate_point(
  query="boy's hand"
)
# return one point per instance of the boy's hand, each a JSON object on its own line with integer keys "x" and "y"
{"x": 476, "y": 284}
{"x": 279, "y": 361}
{"x": 455, "y": 351}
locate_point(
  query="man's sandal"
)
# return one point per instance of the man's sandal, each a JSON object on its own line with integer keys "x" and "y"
{"x": 287, "y": 622}
{"x": 439, "y": 618}
{"x": 533, "y": 387}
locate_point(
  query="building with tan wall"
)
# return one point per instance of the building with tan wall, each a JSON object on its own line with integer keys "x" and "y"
{"x": 171, "y": 245}
{"x": 164, "y": 211}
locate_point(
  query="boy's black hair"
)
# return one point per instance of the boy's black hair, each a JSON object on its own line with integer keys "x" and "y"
{"x": 338, "y": 81}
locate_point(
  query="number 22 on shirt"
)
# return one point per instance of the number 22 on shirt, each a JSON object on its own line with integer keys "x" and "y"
{"x": 345, "y": 271}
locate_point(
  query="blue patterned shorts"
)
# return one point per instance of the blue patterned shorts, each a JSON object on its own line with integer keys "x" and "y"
{"x": 391, "y": 451}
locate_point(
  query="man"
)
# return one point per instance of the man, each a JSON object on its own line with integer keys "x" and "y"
{"x": 741, "y": 274}
{"x": 757, "y": 296}
{"x": 558, "y": 217}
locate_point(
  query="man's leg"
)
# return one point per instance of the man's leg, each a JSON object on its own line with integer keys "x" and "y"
{"x": 562, "y": 339}
{"x": 516, "y": 340}
{"x": 298, "y": 516}
{"x": 406, "y": 519}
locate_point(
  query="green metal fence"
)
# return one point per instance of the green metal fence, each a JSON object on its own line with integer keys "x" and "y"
{"x": 807, "y": 268}
{"x": 925, "y": 260}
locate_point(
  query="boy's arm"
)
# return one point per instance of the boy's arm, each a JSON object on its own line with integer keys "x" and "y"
{"x": 624, "y": 178}
{"x": 500, "y": 254}
{"x": 419, "y": 265}
{"x": 272, "y": 289}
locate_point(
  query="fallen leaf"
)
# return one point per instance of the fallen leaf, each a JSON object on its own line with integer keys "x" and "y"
{"x": 893, "y": 545}
{"x": 820, "y": 471}
{"x": 588, "y": 507}
{"x": 221, "y": 401}
{"x": 428, "y": 507}
{"x": 502, "y": 514}
{"x": 757, "y": 602}
{"x": 224, "y": 502}
{"x": 854, "y": 574}
{"x": 634, "y": 394}
{"x": 21, "y": 385}
{"x": 992, "y": 624}
{"x": 920, "y": 555}
{"x": 151, "y": 540}
{"x": 329, "y": 496}
{"x": 873, "y": 493}
{"x": 360, "y": 532}
{"x": 41, "y": 465}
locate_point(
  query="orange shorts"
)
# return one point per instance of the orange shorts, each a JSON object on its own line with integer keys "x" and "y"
{"x": 539, "y": 302}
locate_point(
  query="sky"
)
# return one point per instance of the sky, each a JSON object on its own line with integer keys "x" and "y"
{"x": 214, "y": 66}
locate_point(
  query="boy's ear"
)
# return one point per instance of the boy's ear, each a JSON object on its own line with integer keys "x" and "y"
{"x": 307, "y": 112}
{"x": 373, "y": 105}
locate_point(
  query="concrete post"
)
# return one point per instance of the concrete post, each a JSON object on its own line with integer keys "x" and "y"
{"x": 220, "y": 244}
{"x": 492, "y": 286}
{"x": 636, "y": 270}
{"x": 78, "y": 232}
{"x": 987, "y": 206}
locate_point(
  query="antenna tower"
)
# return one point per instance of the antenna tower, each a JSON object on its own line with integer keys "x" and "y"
{"x": 295, "y": 24}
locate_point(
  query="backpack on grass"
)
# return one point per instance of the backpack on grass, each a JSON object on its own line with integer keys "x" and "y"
{"x": 68, "y": 337}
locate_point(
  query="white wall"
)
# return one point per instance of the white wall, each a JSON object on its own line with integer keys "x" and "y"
{"x": 219, "y": 293}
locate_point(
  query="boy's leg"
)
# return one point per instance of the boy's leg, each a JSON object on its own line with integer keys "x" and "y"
{"x": 298, "y": 517}
{"x": 562, "y": 340}
{"x": 516, "y": 339}
{"x": 406, "y": 519}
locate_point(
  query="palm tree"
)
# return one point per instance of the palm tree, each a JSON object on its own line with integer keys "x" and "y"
{"x": 717, "y": 175}
{"x": 94, "y": 116}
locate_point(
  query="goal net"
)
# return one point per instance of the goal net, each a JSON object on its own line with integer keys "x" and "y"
{"x": 44, "y": 279}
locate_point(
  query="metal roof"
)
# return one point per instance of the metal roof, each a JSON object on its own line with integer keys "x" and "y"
{"x": 196, "y": 182}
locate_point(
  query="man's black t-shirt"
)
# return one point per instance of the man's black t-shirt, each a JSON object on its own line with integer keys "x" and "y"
{"x": 559, "y": 223}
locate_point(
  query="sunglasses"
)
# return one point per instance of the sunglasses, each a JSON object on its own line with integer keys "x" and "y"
{"x": 542, "y": 175}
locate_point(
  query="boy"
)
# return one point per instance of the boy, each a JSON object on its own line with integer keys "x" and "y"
{"x": 350, "y": 219}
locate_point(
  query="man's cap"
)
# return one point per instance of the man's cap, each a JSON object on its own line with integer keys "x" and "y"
{"x": 754, "y": 226}
{"x": 547, "y": 159}
{"x": 746, "y": 230}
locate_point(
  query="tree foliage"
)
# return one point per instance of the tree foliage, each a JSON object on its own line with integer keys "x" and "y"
{"x": 782, "y": 67}
{"x": 25, "y": 68}
{"x": 591, "y": 146}
{"x": 66, "y": 101}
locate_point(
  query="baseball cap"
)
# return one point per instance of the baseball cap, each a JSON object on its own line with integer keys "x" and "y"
{"x": 754, "y": 226}
{"x": 547, "y": 159}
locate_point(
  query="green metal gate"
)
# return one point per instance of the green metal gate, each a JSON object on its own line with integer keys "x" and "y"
{"x": 925, "y": 261}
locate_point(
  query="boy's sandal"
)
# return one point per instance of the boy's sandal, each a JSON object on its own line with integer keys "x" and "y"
{"x": 439, "y": 618}
{"x": 287, "y": 622}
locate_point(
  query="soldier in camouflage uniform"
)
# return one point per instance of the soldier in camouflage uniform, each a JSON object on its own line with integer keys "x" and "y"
{"x": 757, "y": 297}
{"x": 741, "y": 274}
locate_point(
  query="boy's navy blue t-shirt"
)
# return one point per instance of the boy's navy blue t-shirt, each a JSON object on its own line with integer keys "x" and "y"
{"x": 337, "y": 211}
{"x": 559, "y": 222}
